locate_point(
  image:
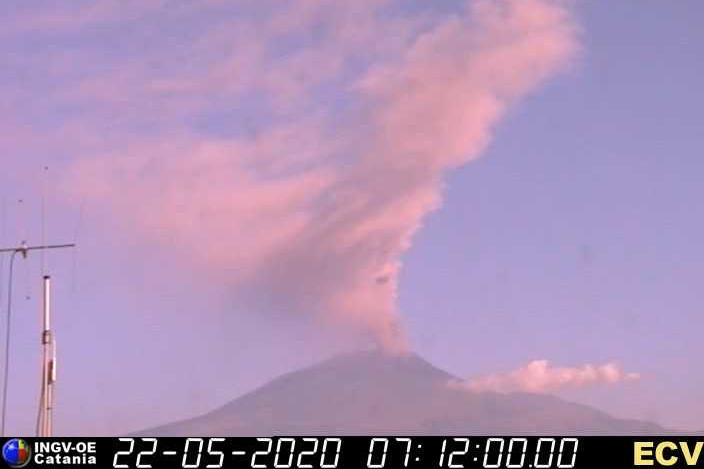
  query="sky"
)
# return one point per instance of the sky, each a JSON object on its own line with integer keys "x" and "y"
{"x": 509, "y": 189}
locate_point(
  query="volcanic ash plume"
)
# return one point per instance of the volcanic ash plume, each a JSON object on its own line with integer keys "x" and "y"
{"x": 311, "y": 213}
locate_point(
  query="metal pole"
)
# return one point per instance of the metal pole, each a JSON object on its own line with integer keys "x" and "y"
{"x": 48, "y": 344}
{"x": 48, "y": 373}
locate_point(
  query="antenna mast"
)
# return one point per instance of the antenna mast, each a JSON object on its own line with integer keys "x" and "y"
{"x": 46, "y": 404}
{"x": 48, "y": 365}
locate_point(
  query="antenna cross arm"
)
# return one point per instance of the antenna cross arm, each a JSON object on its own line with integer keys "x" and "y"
{"x": 24, "y": 248}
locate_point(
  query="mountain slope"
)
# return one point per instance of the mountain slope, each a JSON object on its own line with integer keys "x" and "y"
{"x": 371, "y": 393}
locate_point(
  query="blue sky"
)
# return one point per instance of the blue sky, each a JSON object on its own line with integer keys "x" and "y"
{"x": 575, "y": 236}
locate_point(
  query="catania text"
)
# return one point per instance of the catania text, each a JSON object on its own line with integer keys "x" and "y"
{"x": 59, "y": 459}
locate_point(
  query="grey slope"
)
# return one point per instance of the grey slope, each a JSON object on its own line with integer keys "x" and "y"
{"x": 372, "y": 393}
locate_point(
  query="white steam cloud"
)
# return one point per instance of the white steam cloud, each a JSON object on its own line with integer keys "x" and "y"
{"x": 540, "y": 376}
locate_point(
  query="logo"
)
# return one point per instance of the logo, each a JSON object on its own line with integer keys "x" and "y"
{"x": 16, "y": 452}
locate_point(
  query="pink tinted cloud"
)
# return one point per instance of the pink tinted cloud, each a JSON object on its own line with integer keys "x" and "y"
{"x": 540, "y": 376}
{"x": 312, "y": 214}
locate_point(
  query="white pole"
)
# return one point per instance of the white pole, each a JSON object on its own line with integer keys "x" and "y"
{"x": 48, "y": 369}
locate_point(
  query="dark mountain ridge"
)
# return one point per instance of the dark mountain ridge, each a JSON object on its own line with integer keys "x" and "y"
{"x": 373, "y": 393}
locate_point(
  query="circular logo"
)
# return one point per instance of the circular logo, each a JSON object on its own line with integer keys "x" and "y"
{"x": 16, "y": 452}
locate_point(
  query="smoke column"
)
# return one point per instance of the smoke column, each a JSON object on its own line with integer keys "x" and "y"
{"x": 311, "y": 213}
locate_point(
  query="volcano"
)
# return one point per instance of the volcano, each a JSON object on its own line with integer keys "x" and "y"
{"x": 372, "y": 393}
